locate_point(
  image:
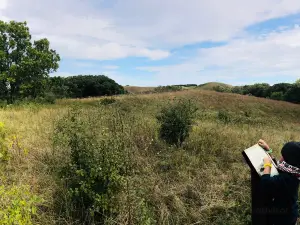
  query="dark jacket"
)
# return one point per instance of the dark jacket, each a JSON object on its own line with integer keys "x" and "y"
{"x": 280, "y": 198}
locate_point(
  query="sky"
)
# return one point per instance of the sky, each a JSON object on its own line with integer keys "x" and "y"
{"x": 161, "y": 42}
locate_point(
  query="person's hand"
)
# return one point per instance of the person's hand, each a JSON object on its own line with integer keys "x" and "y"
{"x": 267, "y": 160}
{"x": 267, "y": 169}
{"x": 263, "y": 144}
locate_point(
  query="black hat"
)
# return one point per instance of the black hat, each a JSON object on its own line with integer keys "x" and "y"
{"x": 291, "y": 153}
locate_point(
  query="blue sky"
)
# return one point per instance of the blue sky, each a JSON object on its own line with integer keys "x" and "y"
{"x": 154, "y": 42}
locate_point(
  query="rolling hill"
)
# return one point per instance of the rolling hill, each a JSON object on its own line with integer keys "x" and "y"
{"x": 211, "y": 85}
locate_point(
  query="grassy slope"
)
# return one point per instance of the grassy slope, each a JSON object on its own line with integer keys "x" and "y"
{"x": 136, "y": 89}
{"x": 211, "y": 85}
{"x": 205, "y": 182}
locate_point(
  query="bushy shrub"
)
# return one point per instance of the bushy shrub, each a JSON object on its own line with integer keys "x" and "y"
{"x": 94, "y": 166}
{"x": 176, "y": 121}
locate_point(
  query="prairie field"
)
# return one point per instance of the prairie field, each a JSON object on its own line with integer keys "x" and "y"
{"x": 203, "y": 181}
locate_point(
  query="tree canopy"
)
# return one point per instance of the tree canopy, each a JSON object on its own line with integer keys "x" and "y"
{"x": 82, "y": 86}
{"x": 24, "y": 65}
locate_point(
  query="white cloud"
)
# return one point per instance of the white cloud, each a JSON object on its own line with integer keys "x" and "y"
{"x": 273, "y": 55}
{"x": 110, "y": 67}
{"x": 91, "y": 29}
{"x": 113, "y": 29}
{"x": 3, "y": 4}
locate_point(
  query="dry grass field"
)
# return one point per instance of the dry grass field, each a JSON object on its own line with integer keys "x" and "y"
{"x": 205, "y": 181}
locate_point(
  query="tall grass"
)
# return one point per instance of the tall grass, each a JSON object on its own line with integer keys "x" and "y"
{"x": 204, "y": 181}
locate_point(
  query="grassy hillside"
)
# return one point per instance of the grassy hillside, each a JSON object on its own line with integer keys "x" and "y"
{"x": 203, "y": 182}
{"x": 211, "y": 85}
{"x": 137, "y": 90}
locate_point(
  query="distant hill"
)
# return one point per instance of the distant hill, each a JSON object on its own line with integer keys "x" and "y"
{"x": 207, "y": 86}
{"x": 211, "y": 85}
{"x": 136, "y": 89}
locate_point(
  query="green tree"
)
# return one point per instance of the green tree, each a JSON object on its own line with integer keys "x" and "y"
{"x": 297, "y": 81}
{"x": 277, "y": 95}
{"x": 293, "y": 94}
{"x": 89, "y": 86}
{"x": 24, "y": 66}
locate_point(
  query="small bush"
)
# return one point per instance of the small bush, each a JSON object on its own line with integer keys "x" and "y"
{"x": 107, "y": 101}
{"x": 175, "y": 121}
{"x": 224, "y": 116}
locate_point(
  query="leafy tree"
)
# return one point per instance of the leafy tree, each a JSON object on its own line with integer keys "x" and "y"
{"x": 24, "y": 66}
{"x": 237, "y": 90}
{"x": 90, "y": 86}
{"x": 277, "y": 95}
{"x": 58, "y": 86}
{"x": 281, "y": 87}
{"x": 297, "y": 81}
{"x": 293, "y": 94}
{"x": 258, "y": 90}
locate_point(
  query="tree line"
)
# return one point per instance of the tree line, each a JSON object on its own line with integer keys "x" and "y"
{"x": 25, "y": 66}
{"x": 83, "y": 86}
{"x": 282, "y": 91}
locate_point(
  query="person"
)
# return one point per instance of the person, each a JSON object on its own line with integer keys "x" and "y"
{"x": 281, "y": 191}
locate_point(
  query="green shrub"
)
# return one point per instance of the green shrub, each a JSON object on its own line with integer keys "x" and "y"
{"x": 176, "y": 120}
{"x": 94, "y": 166}
{"x": 107, "y": 101}
{"x": 224, "y": 116}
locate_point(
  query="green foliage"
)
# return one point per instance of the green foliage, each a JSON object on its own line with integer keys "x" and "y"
{"x": 48, "y": 98}
{"x": 90, "y": 86}
{"x": 176, "y": 120}
{"x": 293, "y": 94}
{"x": 220, "y": 88}
{"x": 168, "y": 88}
{"x": 224, "y": 116}
{"x": 24, "y": 65}
{"x": 94, "y": 166}
{"x": 258, "y": 90}
{"x": 237, "y": 90}
{"x": 277, "y": 96}
{"x": 18, "y": 206}
{"x": 282, "y": 91}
